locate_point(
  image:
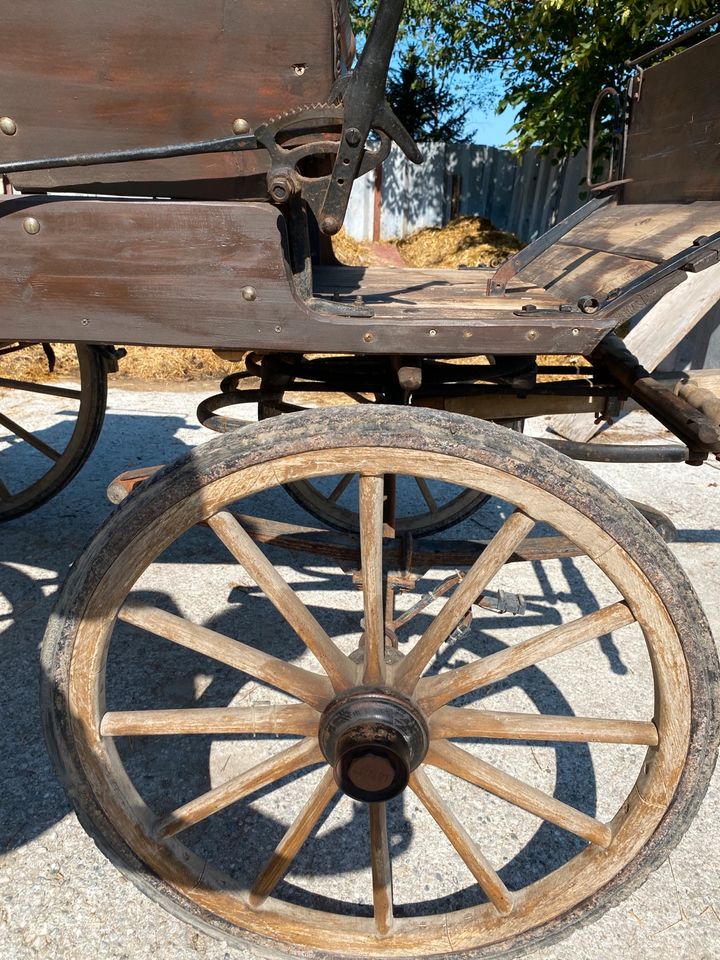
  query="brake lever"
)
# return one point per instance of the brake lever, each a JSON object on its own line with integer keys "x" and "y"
{"x": 365, "y": 109}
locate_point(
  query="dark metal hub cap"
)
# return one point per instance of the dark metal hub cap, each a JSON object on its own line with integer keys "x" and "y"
{"x": 373, "y": 738}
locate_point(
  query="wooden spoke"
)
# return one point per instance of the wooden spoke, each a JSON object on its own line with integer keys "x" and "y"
{"x": 49, "y": 390}
{"x": 456, "y": 722}
{"x": 44, "y": 448}
{"x": 458, "y": 836}
{"x": 340, "y": 489}
{"x": 427, "y": 495}
{"x": 371, "y": 544}
{"x": 381, "y": 868}
{"x": 296, "y": 719}
{"x": 435, "y": 692}
{"x": 337, "y": 666}
{"x": 290, "y": 845}
{"x": 464, "y": 765}
{"x": 494, "y": 556}
{"x": 303, "y": 684}
{"x": 300, "y": 755}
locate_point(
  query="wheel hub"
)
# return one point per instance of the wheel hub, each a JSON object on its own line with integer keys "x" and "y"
{"x": 373, "y": 738}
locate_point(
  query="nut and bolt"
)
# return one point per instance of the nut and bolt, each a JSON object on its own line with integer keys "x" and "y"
{"x": 249, "y": 294}
{"x": 240, "y": 127}
{"x": 31, "y": 226}
{"x": 8, "y": 126}
{"x": 282, "y": 187}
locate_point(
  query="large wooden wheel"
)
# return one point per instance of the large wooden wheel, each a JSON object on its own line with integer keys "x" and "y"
{"x": 400, "y": 759}
{"x": 41, "y": 451}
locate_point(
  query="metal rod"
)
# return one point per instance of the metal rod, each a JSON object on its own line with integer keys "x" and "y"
{"x": 673, "y": 43}
{"x": 224, "y": 145}
{"x": 619, "y": 453}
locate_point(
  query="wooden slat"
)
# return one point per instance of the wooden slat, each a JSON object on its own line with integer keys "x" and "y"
{"x": 513, "y": 531}
{"x": 303, "y": 754}
{"x": 435, "y": 692}
{"x": 462, "y": 764}
{"x": 458, "y": 722}
{"x": 371, "y": 541}
{"x": 296, "y": 719}
{"x": 381, "y": 868}
{"x": 303, "y": 684}
{"x": 289, "y": 847}
{"x": 247, "y": 553}
{"x": 458, "y": 836}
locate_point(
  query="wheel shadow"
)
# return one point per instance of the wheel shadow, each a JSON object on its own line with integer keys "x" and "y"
{"x": 36, "y": 552}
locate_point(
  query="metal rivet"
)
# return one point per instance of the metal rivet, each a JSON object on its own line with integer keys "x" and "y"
{"x": 299, "y": 69}
{"x": 31, "y": 226}
{"x": 249, "y": 294}
{"x": 467, "y": 334}
{"x": 575, "y": 332}
{"x": 433, "y": 333}
{"x": 85, "y": 322}
{"x": 8, "y": 126}
{"x": 368, "y": 337}
{"x": 240, "y": 127}
{"x": 278, "y": 329}
{"x": 532, "y": 334}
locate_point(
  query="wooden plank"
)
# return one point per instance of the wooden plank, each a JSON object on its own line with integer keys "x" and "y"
{"x": 654, "y": 337}
{"x": 87, "y": 77}
{"x": 652, "y": 231}
{"x": 673, "y": 150}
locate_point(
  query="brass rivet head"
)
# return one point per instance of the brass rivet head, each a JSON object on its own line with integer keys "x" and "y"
{"x": 249, "y": 294}
{"x": 8, "y": 126}
{"x": 240, "y": 127}
{"x": 31, "y": 226}
{"x": 368, "y": 337}
{"x": 532, "y": 335}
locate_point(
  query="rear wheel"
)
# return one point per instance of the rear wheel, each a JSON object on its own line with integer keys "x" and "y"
{"x": 314, "y": 846}
{"x": 42, "y": 447}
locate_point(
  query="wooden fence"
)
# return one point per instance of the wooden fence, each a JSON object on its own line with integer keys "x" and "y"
{"x": 525, "y": 196}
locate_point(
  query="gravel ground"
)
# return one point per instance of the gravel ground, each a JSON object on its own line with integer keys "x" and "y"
{"x": 60, "y": 898}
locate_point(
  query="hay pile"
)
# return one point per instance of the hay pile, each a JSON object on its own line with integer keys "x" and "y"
{"x": 466, "y": 242}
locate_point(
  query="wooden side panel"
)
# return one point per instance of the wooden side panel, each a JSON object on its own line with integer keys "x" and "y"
{"x": 169, "y": 273}
{"x": 87, "y": 76}
{"x": 674, "y": 143}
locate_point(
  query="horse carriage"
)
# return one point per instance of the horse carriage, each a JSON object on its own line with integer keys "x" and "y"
{"x": 170, "y": 174}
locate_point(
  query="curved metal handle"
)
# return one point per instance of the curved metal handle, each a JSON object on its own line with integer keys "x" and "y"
{"x": 617, "y": 134}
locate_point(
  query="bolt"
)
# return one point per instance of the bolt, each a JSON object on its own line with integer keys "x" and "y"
{"x": 85, "y": 322}
{"x": 433, "y": 333}
{"x": 330, "y": 225}
{"x": 249, "y": 294}
{"x": 31, "y": 226}
{"x": 529, "y": 308}
{"x": 532, "y": 334}
{"x": 467, "y": 334}
{"x": 575, "y": 332}
{"x": 278, "y": 328}
{"x": 353, "y": 137}
{"x": 282, "y": 187}
{"x": 240, "y": 127}
{"x": 8, "y": 126}
{"x": 359, "y": 301}
{"x": 299, "y": 69}
{"x": 368, "y": 337}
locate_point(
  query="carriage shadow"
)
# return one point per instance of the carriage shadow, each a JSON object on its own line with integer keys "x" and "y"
{"x": 36, "y": 552}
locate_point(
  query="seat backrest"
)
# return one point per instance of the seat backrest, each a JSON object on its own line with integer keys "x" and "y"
{"x": 83, "y": 76}
{"x": 673, "y": 148}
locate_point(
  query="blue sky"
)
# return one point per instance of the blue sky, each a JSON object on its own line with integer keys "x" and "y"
{"x": 490, "y": 128}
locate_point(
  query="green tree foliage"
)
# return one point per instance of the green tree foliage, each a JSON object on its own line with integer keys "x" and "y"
{"x": 431, "y": 109}
{"x": 552, "y": 56}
